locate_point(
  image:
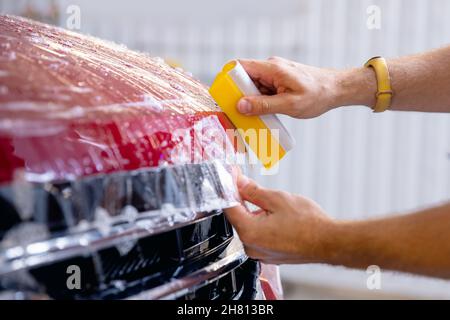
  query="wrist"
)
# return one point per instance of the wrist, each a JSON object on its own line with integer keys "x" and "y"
{"x": 340, "y": 239}
{"x": 351, "y": 244}
{"x": 330, "y": 238}
{"x": 356, "y": 86}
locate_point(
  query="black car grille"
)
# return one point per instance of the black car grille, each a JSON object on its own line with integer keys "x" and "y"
{"x": 238, "y": 284}
{"x": 149, "y": 262}
{"x": 131, "y": 234}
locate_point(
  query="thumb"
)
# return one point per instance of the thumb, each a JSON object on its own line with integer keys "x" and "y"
{"x": 239, "y": 216}
{"x": 250, "y": 191}
{"x": 256, "y": 105}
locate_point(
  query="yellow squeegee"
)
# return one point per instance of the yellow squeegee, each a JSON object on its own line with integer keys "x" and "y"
{"x": 265, "y": 135}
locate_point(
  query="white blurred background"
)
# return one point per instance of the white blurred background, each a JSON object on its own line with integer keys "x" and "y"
{"x": 356, "y": 164}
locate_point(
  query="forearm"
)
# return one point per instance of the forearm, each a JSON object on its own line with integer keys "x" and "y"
{"x": 416, "y": 243}
{"x": 419, "y": 83}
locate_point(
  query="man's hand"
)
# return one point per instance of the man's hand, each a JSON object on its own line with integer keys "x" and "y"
{"x": 293, "y": 229}
{"x": 287, "y": 229}
{"x": 290, "y": 88}
{"x": 419, "y": 83}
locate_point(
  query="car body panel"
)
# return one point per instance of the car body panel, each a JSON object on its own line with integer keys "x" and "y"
{"x": 73, "y": 105}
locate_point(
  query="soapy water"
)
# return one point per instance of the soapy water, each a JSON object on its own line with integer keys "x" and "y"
{"x": 99, "y": 64}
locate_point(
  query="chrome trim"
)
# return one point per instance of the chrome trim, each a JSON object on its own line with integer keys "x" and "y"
{"x": 179, "y": 287}
{"x": 57, "y": 249}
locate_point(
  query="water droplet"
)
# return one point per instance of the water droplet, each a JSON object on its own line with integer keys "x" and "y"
{"x": 130, "y": 213}
{"x": 177, "y": 86}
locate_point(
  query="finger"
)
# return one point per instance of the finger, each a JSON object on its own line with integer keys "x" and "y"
{"x": 284, "y": 61}
{"x": 239, "y": 217}
{"x": 252, "y": 253}
{"x": 265, "y": 90}
{"x": 266, "y": 84}
{"x": 278, "y": 261}
{"x": 270, "y": 257}
{"x": 250, "y": 191}
{"x": 257, "y": 105}
{"x": 258, "y": 69}
{"x": 276, "y": 58}
{"x": 235, "y": 173}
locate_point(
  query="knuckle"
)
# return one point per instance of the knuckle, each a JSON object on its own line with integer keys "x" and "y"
{"x": 248, "y": 61}
{"x": 282, "y": 72}
{"x": 292, "y": 64}
{"x": 252, "y": 191}
{"x": 277, "y": 66}
{"x": 263, "y": 106}
{"x": 275, "y": 58}
{"x": 280, "y": 194}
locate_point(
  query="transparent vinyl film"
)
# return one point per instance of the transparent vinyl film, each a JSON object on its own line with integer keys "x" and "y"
{"x": 98, "y": 141}
{"x": 103, "y": 151}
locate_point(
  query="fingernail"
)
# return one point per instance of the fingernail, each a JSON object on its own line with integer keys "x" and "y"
{"x": 244, "y": 106}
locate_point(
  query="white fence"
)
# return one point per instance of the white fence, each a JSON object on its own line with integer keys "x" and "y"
{"x": 354, "y": 163}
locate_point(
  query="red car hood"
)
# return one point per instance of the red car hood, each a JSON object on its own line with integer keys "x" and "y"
{"x": 72, "y": 105}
